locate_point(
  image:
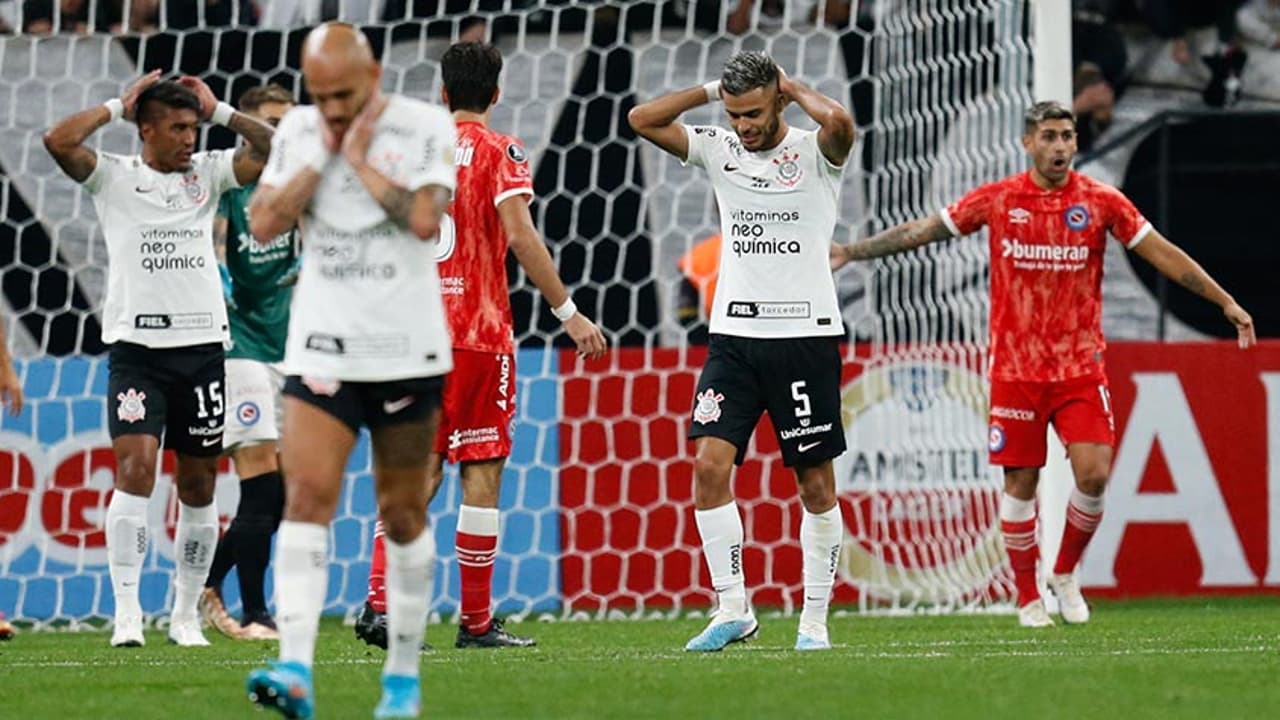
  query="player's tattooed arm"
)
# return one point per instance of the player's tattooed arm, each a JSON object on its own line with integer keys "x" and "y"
{"x": 1177, "y": 265}
{"x": 418, "y": 211}
{"x": 65, "y": 140}
{"x": 251, "y": 157}
{"x": 897, "y": 239}
{"x": 276, "y": 210}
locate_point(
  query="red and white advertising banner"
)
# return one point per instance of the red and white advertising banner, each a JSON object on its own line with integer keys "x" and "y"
{"x": 1193, "y": 507}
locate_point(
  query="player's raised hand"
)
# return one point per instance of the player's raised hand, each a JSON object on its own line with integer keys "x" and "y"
{"x": 10, "y": 389}
{"x": 590, "y": 341}
{"x": 208, "y": 101}
{"x": 784, "y": 87}
{"x": 1246, "y": 335}
{"x": 130, "y": 97}
{"x": 358, "y": 137}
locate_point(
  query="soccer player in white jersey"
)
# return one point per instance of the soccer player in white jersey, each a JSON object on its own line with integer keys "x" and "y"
{"x": 775, "y": 323}
{"x": 368, "y": 176}
{"x": 164, "y": 318}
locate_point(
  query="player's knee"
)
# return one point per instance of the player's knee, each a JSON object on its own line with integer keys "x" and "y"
{"x": 817, "y": 497}
{"x": 136, "y": 474}
{"x": 195, "y": 479}
{"x": 1093, "y": 481}
{"x": 709, "y": 469}
{"x": 402, "y": 524}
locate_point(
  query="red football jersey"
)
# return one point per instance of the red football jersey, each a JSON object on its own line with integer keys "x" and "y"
{"x": 1046, "y": 270}
{"x": 473, "y": 251}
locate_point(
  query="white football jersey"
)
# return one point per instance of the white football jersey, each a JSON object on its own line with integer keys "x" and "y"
{"x": 367, "y": 306}
{"x": 163, "y": 288}
{"x": 777, "y": 214}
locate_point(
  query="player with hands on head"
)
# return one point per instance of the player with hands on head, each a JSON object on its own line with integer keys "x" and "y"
{"x": 775, "y": 322}
{"x": 164, "y": 319}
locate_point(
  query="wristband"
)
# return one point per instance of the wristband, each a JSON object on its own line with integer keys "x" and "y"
{"x": 713, "y": 91}
{"x": 116, "y": 107}
{"x": 222, "y": 113}
{"x": 565, "y": 311}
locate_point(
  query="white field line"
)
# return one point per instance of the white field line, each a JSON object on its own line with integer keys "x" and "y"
{"x": 934, "y": 652}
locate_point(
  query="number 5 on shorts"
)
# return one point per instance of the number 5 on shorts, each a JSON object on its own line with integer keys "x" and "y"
{"x": 802, "y": 399}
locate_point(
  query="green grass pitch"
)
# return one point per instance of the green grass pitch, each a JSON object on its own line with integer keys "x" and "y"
{"x": 1215, "y": 659}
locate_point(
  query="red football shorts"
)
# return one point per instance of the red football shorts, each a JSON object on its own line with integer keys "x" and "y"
{"x": 479, "y": 407}
{"x": 1080, "y": 410}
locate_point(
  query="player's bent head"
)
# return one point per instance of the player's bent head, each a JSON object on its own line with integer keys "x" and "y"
{"x": 168, "y": 119}
{"x": 267, "y": 103}
{"x": 749, "y": 88}
{"x": 470, "y": 72}
{"x": 340, "y": 71}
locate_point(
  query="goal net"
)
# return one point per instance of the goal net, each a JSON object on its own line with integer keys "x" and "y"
{"x": 597, "y": 499}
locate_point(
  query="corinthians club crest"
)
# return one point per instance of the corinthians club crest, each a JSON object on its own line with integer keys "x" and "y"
{"x": 131, "y": 408}
{"x": 707, "y": 410}
{"x": 789, "y": 172}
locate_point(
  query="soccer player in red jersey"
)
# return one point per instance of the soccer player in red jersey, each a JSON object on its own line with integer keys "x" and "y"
{"x": 489, "y": 213}
{"x": 1048, "y": 230}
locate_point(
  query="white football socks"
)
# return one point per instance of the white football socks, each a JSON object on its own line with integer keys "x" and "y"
{"x": 409, "y": 571}
{"x": 721, "y": 532}
{"x": 194, "y": 542}
{"x": 126, "y": 550}
{"x": 820, "y": 537}
{"x": 301, "y": 580}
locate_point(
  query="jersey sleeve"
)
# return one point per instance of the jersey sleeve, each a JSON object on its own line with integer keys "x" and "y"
{"x": 222, "y": 163}
{"x": 434, "y": 153}
{"x": 830, "y": 171}
{"x": 513, "y": 176}
{"x": 107, "y": 167}
{"x": 1124, "y": 220}
{"x": 285, "y": 142}
{"x": 969, "y": 213}
{"x": 224, "y": 205}
{"x": 698, "y": 138}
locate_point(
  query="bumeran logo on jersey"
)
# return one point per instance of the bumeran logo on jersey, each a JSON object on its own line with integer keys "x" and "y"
{"x": 750, "y": 234}
{"x": 916, "y": 474}
{"x": 279, "y": 248}
{"x": 160, "y": 249}
{"x": 1038, "y": 256}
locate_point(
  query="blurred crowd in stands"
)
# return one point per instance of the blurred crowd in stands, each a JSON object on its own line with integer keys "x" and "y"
{"x": 1212, "y": 41}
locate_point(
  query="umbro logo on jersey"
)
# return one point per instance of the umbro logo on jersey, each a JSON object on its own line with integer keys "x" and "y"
{"x": 730, "y": 167}
{"x": 391, "y": 407}
{"x": 1019, "y": 216}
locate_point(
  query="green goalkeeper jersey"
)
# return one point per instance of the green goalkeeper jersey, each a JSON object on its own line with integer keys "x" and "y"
{"x": 261, "y": 282}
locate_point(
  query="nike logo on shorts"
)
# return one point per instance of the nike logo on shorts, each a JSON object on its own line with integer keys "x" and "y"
{"x": 808, "y": 447}
{"x": 210, "y": 442}
{"x": 391, "y": 407}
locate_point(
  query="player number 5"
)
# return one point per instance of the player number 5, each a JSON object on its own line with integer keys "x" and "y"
{"x": 802, "y": 399}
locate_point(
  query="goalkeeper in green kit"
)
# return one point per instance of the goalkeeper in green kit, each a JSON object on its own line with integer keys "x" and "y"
{"x": 258, "y": 283}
